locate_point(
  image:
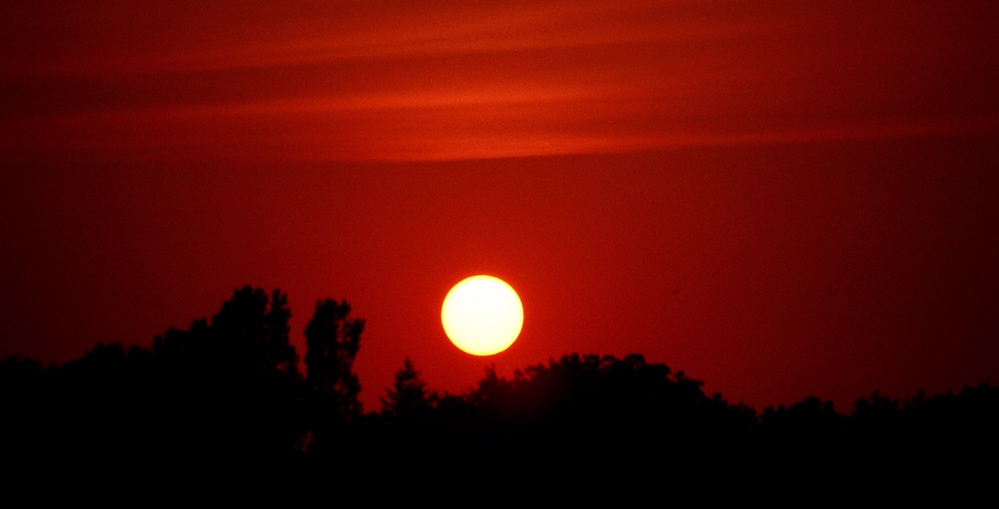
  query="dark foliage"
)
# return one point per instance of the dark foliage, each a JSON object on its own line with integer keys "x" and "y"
{"x": 333, "y": 340}
{"x": 640, "y": 404}
{"x": 230, "y": 390}
{"x": 409, "y": 398}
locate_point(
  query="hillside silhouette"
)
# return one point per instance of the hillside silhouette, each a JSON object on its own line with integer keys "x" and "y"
{"x": 232, "y": 390}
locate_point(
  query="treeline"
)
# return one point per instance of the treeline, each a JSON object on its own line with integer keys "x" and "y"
{"x": 231, "y": 389}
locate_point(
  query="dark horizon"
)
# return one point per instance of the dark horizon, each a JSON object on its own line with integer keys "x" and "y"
{"x": 296, "y": 360}
{"x": 227, "y": 393}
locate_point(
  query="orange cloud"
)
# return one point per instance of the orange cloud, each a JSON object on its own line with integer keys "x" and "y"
{"x": 372, "y": 80}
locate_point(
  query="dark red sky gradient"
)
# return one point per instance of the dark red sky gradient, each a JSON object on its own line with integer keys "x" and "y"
{"x": 780, "y": 198}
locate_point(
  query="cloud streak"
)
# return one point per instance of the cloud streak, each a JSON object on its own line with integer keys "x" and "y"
{"x": 453, "y": 81}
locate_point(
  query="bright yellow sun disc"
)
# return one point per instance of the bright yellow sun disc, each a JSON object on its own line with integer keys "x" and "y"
{"x": 482, "y": 315}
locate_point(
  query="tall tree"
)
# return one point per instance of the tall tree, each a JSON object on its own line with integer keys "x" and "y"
{"x": 333, "y": 339}
{"x": 232, "y": 385}
{"x": 253, "y": 330}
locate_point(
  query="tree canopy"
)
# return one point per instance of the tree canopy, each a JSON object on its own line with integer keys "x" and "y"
{"x": 230, "y": 388}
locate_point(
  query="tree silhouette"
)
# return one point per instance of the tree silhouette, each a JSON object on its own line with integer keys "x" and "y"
{"x": 253, "y": 331}
{"x": 229, "y": 390}
{"x": 333, "y": 339}
{"x": 409, "y": 397}
{"x": 875, "y": 418}
{"x": 809, "y": 420}
{"x": 231, "y": 385}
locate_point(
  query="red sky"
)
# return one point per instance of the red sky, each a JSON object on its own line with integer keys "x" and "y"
{"x": 780, "y": 198}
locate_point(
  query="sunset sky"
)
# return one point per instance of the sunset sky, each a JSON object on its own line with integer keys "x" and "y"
{"x": 781, "y": 198}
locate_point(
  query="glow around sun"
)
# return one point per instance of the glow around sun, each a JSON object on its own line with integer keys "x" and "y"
{"x": 482, "y": 315}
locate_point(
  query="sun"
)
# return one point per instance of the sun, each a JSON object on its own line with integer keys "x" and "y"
{"x": 482, "y": 315}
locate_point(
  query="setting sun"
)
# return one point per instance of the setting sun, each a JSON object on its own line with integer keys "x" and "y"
{"x": 482, "y": 315}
